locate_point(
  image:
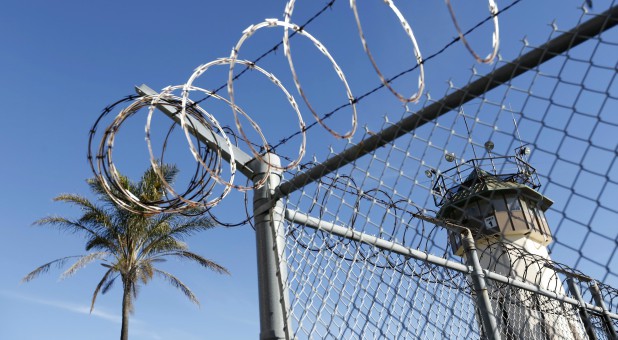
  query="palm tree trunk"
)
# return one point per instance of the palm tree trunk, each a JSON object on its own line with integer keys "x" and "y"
{"x": 126, "y": 309}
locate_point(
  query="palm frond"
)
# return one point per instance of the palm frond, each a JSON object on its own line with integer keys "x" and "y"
{"x": 97, "y": 217}
{"x": 150, "y": 186}
{"x": 145, "y": 271}
{"x": 80, "y": 201}
{"x": 94, "y": 216}
{"x": 99, "y": 191}
{"x": 109, "y": 285}
{"x": 158, "y": 228}
{"x": 96, "y": 187}
{"x": 65, "y": 224}
{"x": 83, "y": 261}
{"x": 161, "y": 220}
{"x": 178, "y": 284}
{"x": 192, "y": 226}
{"x": 204, "y": 262}
{"x": 75, "y": 199}
{"x": 99, "y": 242}
{"x": 162, "y": 245}
{"x": 168, "y": 171}
{"x": 103, "y": 282}
{"x": 158, "y": 232}
{"x": 135, "y": 290}
{"x": 45, "y": 268}
{"x": 165, "y": 233}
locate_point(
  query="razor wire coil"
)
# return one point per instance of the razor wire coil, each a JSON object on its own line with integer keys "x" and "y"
{"x": 173, "y": 205}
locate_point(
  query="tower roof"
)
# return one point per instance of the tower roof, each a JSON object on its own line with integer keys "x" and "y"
{"x": 482, "y": 183}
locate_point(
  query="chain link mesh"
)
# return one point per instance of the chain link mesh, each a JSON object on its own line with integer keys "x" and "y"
{"x": 338, "y": 298}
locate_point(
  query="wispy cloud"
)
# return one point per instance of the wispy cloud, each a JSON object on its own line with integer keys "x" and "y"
{"x": 71, "y": 307}
{"x": 140, "y": 329}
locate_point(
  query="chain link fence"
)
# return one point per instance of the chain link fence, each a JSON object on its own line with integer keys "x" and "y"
{"x": 370, "y": 252}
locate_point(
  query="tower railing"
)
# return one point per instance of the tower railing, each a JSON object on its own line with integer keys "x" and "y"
{"x": 463, "y": 177}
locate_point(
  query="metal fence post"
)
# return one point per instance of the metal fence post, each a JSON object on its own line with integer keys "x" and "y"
{"x": 270, "y": 242}
{"x": 598, "y": 298}
{"x": 488, "y": 318}
{"x": 583, "y": 313}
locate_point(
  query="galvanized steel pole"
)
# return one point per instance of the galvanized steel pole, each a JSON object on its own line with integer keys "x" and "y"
{"x": 583, "y": 312}
{"x": 598, "y": 298}
{"x": 270, "y": 241}
{"x": 268, "y": 217}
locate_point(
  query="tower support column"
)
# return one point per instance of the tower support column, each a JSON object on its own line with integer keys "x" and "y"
{"x": 487, "y": 316}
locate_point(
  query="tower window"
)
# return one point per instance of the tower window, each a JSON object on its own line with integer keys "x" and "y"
{"x": 513, "y": 203}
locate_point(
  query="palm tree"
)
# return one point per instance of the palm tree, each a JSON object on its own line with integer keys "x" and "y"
{"x": 129, "y": 244}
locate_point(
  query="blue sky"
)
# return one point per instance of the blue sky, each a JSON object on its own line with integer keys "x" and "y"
{"x": 63, "y": 62}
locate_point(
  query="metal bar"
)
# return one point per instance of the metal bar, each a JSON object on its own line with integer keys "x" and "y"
{"x": 301, "y": 218}
{"x": 538, "y": 290}
{"x": 477, "y": 276}
{"x": 598, "y": 298}
{"x": 552, "y": 48}
{"x": 583, "y": 312}
{"x": 213, "y": 140}
{"x": 315, "y": 223}
{"x": 271, "y": 261}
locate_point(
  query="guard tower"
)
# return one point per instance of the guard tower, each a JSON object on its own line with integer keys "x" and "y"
{"x": 493, "y": 204}
{"x": 496, "y": 198}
